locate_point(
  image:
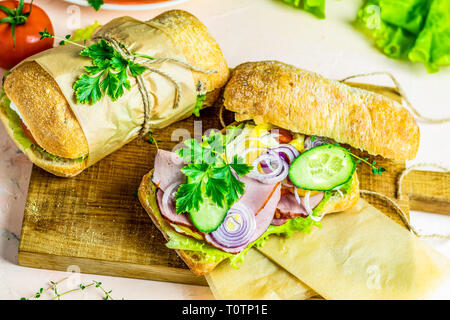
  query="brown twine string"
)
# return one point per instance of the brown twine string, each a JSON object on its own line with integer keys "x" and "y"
{"x": 222, "y": 122}
{"x": 399, "y": 210}
{"x": 147, "y": 98}
{"x": 402, "y": 94}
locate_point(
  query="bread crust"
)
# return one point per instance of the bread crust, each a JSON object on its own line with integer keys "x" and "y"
{"x": 200, "y": 49}
{"x": 45, "y": 110}
{"x": 65, "y": 168}
{"x": 301, "y": 101}
{"x": 147, "y": 194}
{"x": 147, "y": 197}
{"x": 50, "y": 118}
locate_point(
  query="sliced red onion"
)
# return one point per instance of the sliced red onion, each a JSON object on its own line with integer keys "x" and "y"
{"x": 297, "y": 197}
{"x": 267, "y": 168}
{"x": 267, "y": 158}
{"x": 237, "y": 229}
{"x": 279, "y": 173}
{"x": 169, "y": 195}
{"x": 287, "y": 151}
{"x": 307, "y": 206}
{"x": 338, "y": 189}
{"x": 318, "y": 141}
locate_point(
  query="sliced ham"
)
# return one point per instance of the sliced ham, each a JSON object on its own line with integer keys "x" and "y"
{"x": 167, "y": 169}
{"x": 256, "y": 194}
{"x": 289, "y": 208}
{"x": 169, "y": 212}
{"x": 263, "y": 219}
{"x": 278, "y": 222}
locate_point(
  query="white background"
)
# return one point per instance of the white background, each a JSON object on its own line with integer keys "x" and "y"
{"x": 247, "y": 30}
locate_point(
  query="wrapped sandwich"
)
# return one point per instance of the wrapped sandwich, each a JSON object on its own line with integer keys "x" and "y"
{"x": 279, "y": 169}
{"x": 70, "y": 106}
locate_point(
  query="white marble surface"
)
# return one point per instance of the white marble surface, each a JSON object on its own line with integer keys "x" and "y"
{"x": 246, "y": 30}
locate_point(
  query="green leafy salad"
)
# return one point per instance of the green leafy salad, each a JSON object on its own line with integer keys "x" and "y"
{"x": 417, "y": 30}
{"x": 414, "y": 30}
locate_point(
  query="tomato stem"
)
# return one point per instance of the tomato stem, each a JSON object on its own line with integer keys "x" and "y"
{"x": 16, "y": 17}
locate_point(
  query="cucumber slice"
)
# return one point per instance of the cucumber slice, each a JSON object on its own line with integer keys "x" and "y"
{"x": 209, "y": 217}
{"x": 322, "y": 168}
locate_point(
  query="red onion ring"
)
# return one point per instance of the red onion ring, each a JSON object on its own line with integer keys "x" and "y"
{"x": 307, "y": 206}
{"x": 168, "y": 195}
{"x": 318, "y": 141}
{"x": 278, "y": 174}
{"x": 237, "y": 229}
{"x": 272, "y": 174}
{"x": 287, "y": 151}
{"x": 297, "y": 197}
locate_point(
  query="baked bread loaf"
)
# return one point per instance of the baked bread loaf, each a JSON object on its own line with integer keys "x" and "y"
{"x": 305, "y": 102}
{"x": 50, "y": 119}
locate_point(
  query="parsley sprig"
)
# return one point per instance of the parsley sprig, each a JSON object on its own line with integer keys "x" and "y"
{"x": 375, "y": 170}
{"x": 96, "y": 4}
{"x": 108, "y": 73}
{"x": 209, "y": 174}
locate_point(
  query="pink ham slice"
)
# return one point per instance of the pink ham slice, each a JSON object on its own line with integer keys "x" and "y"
{"x": 289, "y": 208}
{"x": 256, "y": 194}
{"x": 167, "y": 169}
{"x": 278, "y": 222}
{"x": 170, "y": 212}
{"x": 263, "y": 218}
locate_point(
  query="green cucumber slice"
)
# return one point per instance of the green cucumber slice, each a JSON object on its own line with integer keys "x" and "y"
{"x": 209, "y": 217}
{"x": 322, "y": 168}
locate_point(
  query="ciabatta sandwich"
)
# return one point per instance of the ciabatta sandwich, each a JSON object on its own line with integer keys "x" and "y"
{"x": 278, "y": 170}
{"x": 39, "y": 114}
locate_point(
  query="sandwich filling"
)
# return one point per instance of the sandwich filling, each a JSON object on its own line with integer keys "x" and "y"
{"x": 21, "y": 134}
{"x": 269, "y": 202}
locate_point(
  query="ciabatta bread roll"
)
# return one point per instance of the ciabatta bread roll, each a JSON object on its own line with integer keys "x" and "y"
{"x": 316, "y": 114}
{"x": 49, "y": 119}
{"x": 305, "y": 102}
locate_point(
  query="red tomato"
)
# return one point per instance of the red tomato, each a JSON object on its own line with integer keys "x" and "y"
{"x": 27, "y": 31}
{"x": 284, "y": 136}
{"x": 28, "y": 133}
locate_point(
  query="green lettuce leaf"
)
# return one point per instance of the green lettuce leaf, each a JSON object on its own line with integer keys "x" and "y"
{"x": 85, "y": 33}
{"x": 209, "y": 253}
{"x": 415, "y": 30}
{"x": 14, "y": 121}
{"x": 16, "y": 126}
{"x": 315, "y": 7}
{"x": 180, "y": 242}
{"x": 432, "y": 47}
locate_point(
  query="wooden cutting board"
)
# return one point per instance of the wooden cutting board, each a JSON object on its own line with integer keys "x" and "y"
{"x": 94, "y": 223}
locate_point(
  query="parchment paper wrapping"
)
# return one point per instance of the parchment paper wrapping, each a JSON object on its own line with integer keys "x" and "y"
{"x": 258, "y": 278}
{"x": 109, "y": 125}
{"x": 357, "y": 254}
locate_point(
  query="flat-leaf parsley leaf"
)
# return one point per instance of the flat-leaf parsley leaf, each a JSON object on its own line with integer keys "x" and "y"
{"x": 209, "y": 174}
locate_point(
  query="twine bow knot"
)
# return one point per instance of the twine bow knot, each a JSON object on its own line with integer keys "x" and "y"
{"x": 148, "y": 63}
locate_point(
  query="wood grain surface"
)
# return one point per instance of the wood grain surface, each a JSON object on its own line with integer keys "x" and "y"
{"x": 428, "y": 191}
{"x": 96, "y": 223}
